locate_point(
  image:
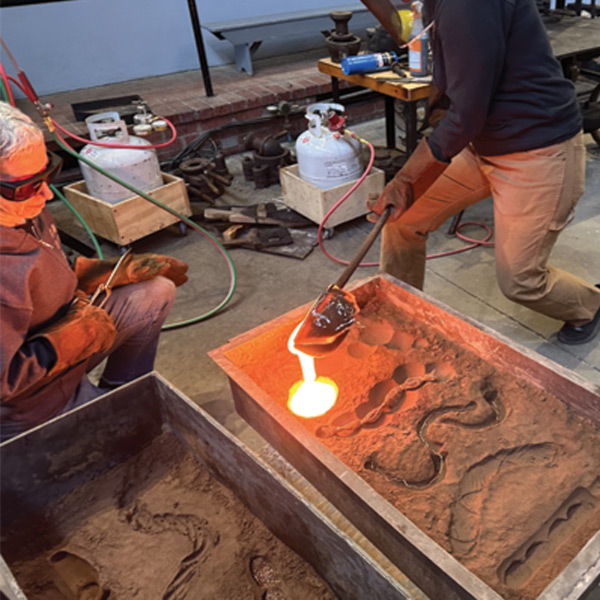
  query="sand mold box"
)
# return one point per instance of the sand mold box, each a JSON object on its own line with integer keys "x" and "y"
{"x": 156, "y": 526}
{"x": 500, "y": 473}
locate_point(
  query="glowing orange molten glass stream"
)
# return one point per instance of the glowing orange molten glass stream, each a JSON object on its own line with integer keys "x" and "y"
{"x": 312, "y": 396}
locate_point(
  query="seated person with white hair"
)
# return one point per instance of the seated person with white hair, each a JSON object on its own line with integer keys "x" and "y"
{"x": 51, "y": 334}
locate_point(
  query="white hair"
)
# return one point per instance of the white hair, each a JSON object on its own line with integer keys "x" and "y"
{"x": 17, "y": 131}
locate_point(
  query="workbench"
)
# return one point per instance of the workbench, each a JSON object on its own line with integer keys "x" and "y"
{"x": 574, "y": 40}
{"x": 383, "y": 82}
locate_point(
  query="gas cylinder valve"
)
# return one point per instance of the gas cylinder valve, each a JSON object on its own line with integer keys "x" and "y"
{"x": 142, "y": 120}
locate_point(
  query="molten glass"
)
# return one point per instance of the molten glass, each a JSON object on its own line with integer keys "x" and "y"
{"x": 313, "y": 396}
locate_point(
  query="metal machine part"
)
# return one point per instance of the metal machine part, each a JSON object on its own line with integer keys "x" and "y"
{"x": 268, "y": 156}
{"x": 340, "y": 42}
{"x": 205, "y": 179}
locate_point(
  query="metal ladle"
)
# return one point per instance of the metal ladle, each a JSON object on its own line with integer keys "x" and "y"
{"x": 329, "y": 319}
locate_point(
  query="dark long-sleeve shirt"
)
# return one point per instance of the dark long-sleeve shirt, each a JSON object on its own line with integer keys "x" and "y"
{"x": 37, "y": 286}
{"x": 507, "y": 92}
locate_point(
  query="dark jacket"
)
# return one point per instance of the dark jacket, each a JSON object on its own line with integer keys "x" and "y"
{"x": 506, "y": 90}
{"x": 37, "y": 286}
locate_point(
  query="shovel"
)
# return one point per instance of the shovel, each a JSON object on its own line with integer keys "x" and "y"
{"x": 329, "y": 320}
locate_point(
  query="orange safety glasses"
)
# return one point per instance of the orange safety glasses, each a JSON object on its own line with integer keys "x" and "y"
{"x": 19, "y": 190}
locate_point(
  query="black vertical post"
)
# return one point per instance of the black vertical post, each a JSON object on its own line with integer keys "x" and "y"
{"x": 390, "y": 121}
{"x": 200, "y": 47}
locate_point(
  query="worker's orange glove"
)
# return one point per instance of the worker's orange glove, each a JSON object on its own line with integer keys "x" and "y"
{"x": 410, "y": 183}
{"x": 82, "y": 332}
{"x": 91, "y": 272}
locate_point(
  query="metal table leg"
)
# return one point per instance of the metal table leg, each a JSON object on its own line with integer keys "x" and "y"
{"x": 410, "y": 122}
{"x": 335, "y": 89}
{"x": 390, "y": 124}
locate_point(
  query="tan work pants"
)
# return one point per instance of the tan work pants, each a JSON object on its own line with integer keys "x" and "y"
{"x": 534, "y": 195}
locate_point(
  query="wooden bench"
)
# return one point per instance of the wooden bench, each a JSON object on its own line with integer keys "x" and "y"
{"x": 247, "y": 35}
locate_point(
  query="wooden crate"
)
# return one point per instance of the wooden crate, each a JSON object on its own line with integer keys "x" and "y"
{"x": 314, "y": 203}
{"x": 133, "y": 218}
{"x": 58, "y": 458}
{"x": 260, "y": 398}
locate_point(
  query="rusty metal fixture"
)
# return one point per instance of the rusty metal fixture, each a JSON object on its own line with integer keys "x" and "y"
{"x": 390, "y": 161}
{"x": 268, "y": 156}
{"x": 247, "y": 164}
{"x": 265, "y": 145}
{"x": 340, "y": 42}
{"x": 205, "y": 180}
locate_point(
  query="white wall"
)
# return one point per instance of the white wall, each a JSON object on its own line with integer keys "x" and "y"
{"x": 83, "y": 43}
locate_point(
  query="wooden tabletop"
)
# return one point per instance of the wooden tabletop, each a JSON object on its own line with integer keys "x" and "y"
{"x": 574, "y": 36}
{"x": 569, "y": 37}
{"x": 399, "y": 89}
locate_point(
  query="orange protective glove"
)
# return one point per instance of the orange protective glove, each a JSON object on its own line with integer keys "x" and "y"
{"x": 83, "y": 331}
{"x": 410, "y": 183}
{"x": 91, "y": 272}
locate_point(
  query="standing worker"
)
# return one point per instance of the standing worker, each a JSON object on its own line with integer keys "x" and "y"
{"x": 51, "y": 335}
{"x": 511, "y": 128}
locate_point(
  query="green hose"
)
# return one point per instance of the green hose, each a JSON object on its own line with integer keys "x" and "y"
{"x": 80, "y": 219}
{"x": 170, "y": 210}
{"x": 5, "y": 95}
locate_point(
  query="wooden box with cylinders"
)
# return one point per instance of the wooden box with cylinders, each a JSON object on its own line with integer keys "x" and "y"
{"x": 111, "y": 210}
{"x": 330, "y": 164}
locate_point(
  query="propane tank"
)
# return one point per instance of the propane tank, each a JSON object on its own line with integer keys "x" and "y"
{"x": 139, "y": 168}
{"x": 327, "y": 157}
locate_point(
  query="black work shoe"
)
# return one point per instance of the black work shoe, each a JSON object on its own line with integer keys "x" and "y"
{"x": 572, "y": 334}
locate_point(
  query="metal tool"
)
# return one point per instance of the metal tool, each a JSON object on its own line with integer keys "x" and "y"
{"x": 106, "y": 287}
{"x": 329, "y": 319}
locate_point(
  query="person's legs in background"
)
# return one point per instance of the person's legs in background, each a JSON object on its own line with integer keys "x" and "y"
{"x": 535, "y": 193}
{"x": 403, "y": 243}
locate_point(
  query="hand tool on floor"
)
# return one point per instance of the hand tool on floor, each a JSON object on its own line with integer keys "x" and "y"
{"x": 260, "y": 214}
{"x": 329, "y": 320}
{"x": 256, "y": 238}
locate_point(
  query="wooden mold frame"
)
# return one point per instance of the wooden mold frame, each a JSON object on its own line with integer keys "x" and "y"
{"x": 433, "y": 569}
{"x": 91, "y": 440}
{"x": 133, "y": 218}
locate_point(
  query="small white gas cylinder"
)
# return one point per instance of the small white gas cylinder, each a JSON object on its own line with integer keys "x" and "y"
{"x": 327, "y": 157}
{"x": 139, "y": 168}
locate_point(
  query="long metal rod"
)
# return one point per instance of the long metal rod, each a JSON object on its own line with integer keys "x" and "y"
{"x": 353, "y": 264}
{"x": 200, "y": 47}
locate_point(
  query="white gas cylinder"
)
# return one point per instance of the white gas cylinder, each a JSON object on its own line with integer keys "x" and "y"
{"x": 139, "y": 168}
{"x": 326, "y": 157}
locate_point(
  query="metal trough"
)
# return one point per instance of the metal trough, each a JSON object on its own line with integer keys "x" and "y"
{"x": 433, "y": 357}
{"x": 45, "y": 467}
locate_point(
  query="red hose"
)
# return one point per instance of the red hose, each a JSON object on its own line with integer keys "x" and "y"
{"x": 131, "y": 146}
{"x": 473, "y": 243}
